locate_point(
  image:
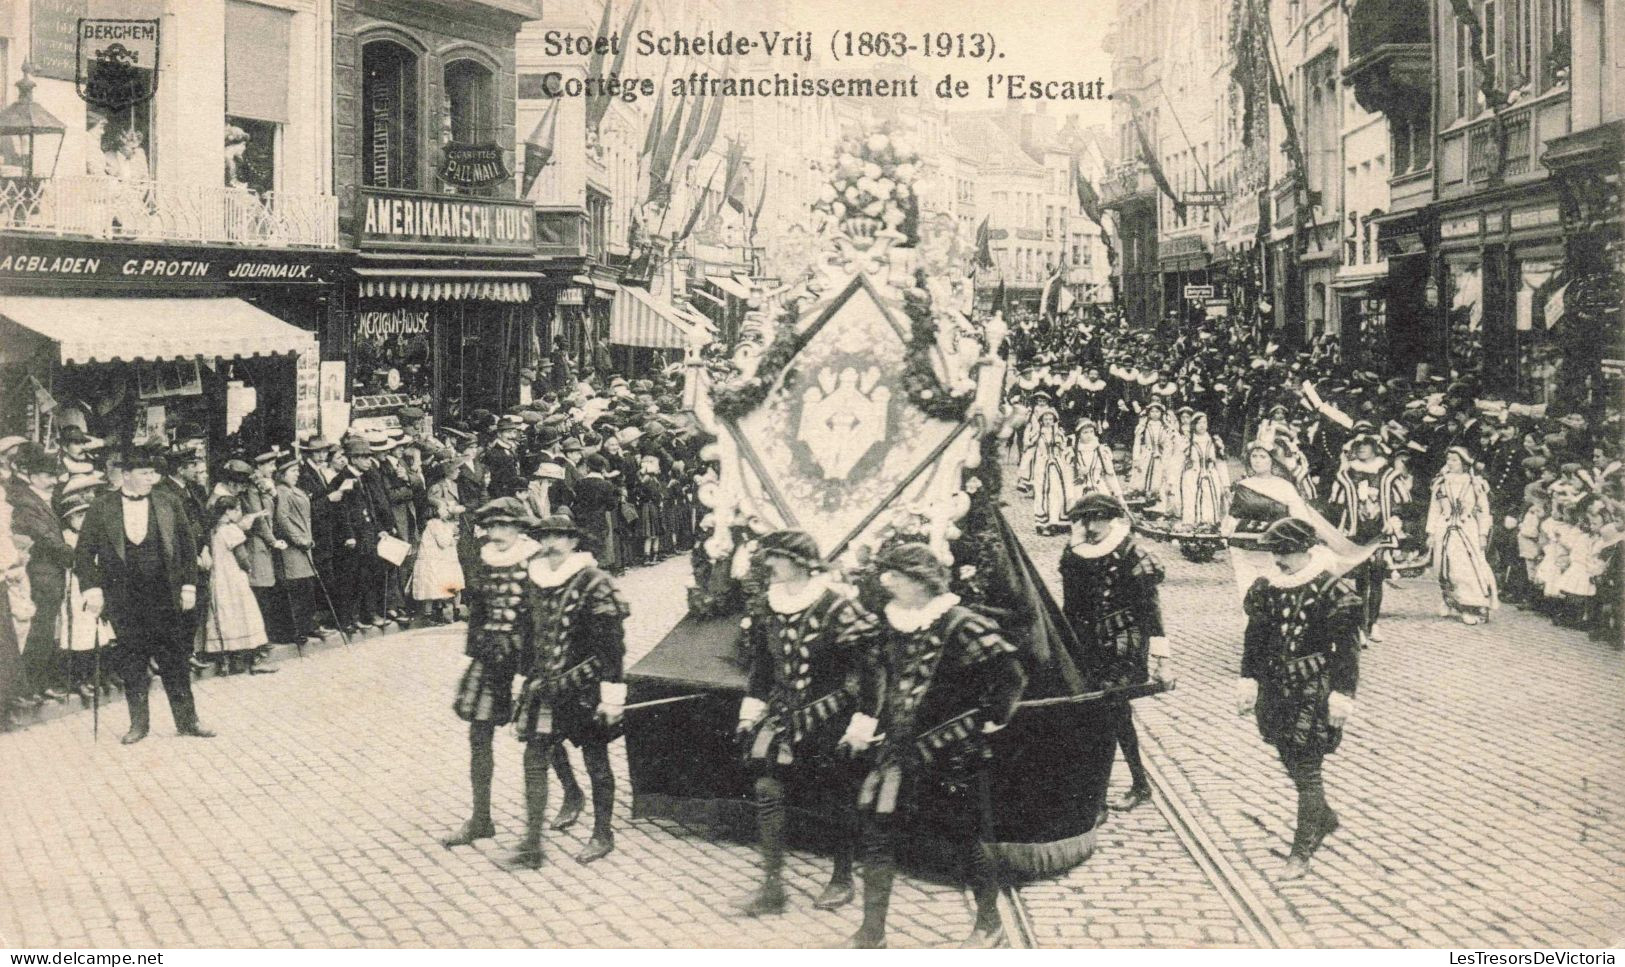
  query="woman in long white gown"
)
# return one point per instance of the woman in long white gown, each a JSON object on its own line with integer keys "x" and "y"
{"x": 1092, "y": 463}
{"x": 1051, "y": 475}
{"x": 1150, "y": 456}
{"x": 1459, "y": 523}
{"x": 1204, "y": 486}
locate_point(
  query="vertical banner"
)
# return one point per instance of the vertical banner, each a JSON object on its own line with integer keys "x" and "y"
{"x": 307, "y": 378}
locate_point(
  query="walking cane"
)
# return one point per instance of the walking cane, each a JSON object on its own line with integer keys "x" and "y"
{"x": 337, "y": 624}
{"x": 96, "y": 683}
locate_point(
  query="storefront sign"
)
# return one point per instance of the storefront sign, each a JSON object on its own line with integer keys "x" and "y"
{"x": 57, "y": 260}
{"x": 390, "y": 323}
{"x": 117, "y": 63}
{"x": 1198, "y": 292}
{"x": 1535, "y": 218}
{"x": 407, "y": 220}
{"x": 1459, "y": 227}
{"x": 473, "y": 165}
{"x": 54, "y": 38}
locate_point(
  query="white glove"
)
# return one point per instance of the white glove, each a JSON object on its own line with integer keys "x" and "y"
{"x": 1246, "y": 695}
{"x": 1339, "y": 707}
{"x": 188, "y": 597}
{"x": 751, "y": 711}
{"x": 93, "y": 601}
{"x": 611, "y": 702}
{"x": 860, "y": 732}
{"x": 988, "y": 728}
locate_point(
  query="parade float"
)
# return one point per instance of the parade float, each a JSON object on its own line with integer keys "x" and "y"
{"x": 862, "y": 405}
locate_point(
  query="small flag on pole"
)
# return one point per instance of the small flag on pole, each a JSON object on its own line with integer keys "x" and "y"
{"x": 539, "y": 146}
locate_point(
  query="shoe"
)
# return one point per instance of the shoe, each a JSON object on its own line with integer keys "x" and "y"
{"x": 136, "y": 734}
{"x": 527, "y": 857}
{"x": 54, "y": 695}
{"x": 1131, "y": 798}
{"x": 864, "y": 940}
{"x": 1374, "y": 634}
{"x": 1471, "y": 619}
{"x": 984, "y": 939}
{"x": 569, "y": 811}
{"x": 472, "y": 830}
{"x": 768, "y": 899}
{"x": 600, "y": 846}
{"x": 836, "y": 895}
{"x": 257, "y": 669}
{"x": 86, "y": 693}
{"x": 195, "y": 731}
{"x": 1296, "y": 868}
{"x": 197, "y": 665}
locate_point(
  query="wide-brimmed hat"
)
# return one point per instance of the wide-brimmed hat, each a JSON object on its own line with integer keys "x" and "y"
{"x": 151, "y": 455}
{"x": 73, "y": 434}
{"x": 794, "y": 545}
{"x": 357, "y": 447}
{"x": 1094, "y": 506}
{"x": 1288, "y": 535}
{"x": 914, "y": 560}
{"x": 506, "y": 510}
{"x": 31, "y": 458}
{"x": 548, "y": 471}
{"x": 560, "y": 523}
{"x": 628, "y": 435}
{"x": 10, "y": 443}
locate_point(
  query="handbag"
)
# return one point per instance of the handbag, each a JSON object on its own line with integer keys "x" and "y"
{"x": 393, "y": 549}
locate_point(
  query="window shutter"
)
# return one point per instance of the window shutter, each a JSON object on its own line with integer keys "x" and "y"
{"x": 257, "y": 61}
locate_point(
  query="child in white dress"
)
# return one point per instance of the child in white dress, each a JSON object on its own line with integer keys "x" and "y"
{"x": 437, "y": 577}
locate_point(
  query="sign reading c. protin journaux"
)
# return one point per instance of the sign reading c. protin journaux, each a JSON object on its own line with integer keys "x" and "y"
{"x": 117, "y": 62}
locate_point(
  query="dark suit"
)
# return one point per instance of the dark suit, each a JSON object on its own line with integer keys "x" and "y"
{"x": 359, "y": 591}
{"x": 141, "y": 585}
{"x": 48, "y": 563}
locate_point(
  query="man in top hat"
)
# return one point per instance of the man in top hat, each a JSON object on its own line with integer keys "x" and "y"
{"x": 814, "y": 670}
{"x": 358, "y": 588}
{"x": 951, "y": 680}
{"x": 573, "y": 688}
{"x": 1299, "y": 670}
{"x": 502, "y": 459}
{"x": 1109, "y": 596}
{"x": 33, "y": 516}
{"x": 137, "y": 560}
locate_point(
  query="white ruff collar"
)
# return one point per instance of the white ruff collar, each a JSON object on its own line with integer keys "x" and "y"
{"x": 1321, "y": 561}
{"x": 910, "y": 620}
{"x": 1367, "y": 466}
{"x": 795, "y": 602}
{"x": 1114, "y": 537}
{"x": 518, "y": 551}
{"x": 548, "y": 577}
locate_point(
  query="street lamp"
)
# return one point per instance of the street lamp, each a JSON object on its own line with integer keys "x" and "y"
{"x": 38, "y": 131}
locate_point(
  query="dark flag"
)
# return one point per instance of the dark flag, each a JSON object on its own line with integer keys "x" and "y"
{"x": 1149, "y": 156}
{"x": 984, "y": 244}
{"x": 539, "y": 146}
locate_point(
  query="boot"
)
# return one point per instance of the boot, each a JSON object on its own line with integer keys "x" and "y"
{"x": 876, "y": 900}
{"x": 529, "y": 853}
{"x": 769, "y": 897}
{"x": 1328, "y": 825}
{"x": 473, "y": 830}
{"x": 838, "y": 893}
{"x": 601, "y": 845}
{"x": 137, "y": 700}
{"x": 602, "y": 780}
{"x": 570, "y": 809}
{"x": 184, "y": 710}
{"x": 1134, "y": 796}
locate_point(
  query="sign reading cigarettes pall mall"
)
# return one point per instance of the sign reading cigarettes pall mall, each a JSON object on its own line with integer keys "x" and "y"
{"x": 423, "y": 222}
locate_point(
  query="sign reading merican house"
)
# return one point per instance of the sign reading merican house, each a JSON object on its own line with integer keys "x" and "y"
{"x": 410, "y": 220}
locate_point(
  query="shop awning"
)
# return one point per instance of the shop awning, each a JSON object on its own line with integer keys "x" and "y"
{"x": 730, "y": 286}
{"x": 91, "y": 330}
{"x": 640, "y": 319}
{"x": 440, "y": 285}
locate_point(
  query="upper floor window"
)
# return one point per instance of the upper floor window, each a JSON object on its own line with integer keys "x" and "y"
{"x": 389, "y": 115}
{"x": 470, "y": 107}
{"x": 257, "y": 41}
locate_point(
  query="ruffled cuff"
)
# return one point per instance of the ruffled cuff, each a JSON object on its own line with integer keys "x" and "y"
{"x": 861, "y": 730}
{"x": 752, "y": 709}
{"x": 612, "y": 693}
{"x": 1339, "y": 705}
{"x": 1159, "y": 647}
{"x": 1246, "y": 691}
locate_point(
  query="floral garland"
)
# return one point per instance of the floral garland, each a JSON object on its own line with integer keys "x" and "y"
{"x": 919, "y": 377}
{"x": 733, "y": 399}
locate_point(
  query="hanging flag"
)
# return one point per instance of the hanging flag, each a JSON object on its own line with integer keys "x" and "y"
{"x": 1052, "y": 286}
{"x": 539, "y": 146}
{"x": 598, "y": 105}
{"x": 651, "y": 137}
{"x": 595, "y": 64}
{"x": 44, "y": 402}
{"x": 713, "y": 123}
{"x": 984, "y": 244}
{"x": 761, "y": 202}
{"x": 691, "y": 130}
{"x": 737, "y": 173}
{"x": 999, "y": 296}
{"x": 1087, "y": 199}
{"x": 664, "y": 153}
{"x": 1064, "y": 300}
{"x": 699, "y": 206}
{"x": 1150, "y": 158}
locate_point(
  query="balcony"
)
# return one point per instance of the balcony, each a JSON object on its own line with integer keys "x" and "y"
{"x": 1126, "y": 182}
{"x": 1468, "y": 154}
{"x": 132, "y": 210}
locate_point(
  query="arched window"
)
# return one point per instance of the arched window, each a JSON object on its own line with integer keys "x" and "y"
{"x": 389, "y": 115}
{"x": 470, "y": 108}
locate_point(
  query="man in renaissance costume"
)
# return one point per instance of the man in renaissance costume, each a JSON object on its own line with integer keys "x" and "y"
{"x": 813, "y": 669}
{"x": 951, "y": 680}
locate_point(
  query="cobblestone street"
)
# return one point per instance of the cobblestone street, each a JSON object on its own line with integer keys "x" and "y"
{"x": 1479, "y": 789}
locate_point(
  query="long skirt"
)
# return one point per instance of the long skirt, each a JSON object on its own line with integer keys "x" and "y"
{"x": 1465, "y": 578}
{"x": 1199, "y": 498}
{"x": 1050, "y": 496}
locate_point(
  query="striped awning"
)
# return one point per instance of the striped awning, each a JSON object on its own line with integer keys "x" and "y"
{"x": 640, "y": 319}
{"x": 105, "y": 330}
{"x": 442, "y": 285}
{"x": 730, "y": 286}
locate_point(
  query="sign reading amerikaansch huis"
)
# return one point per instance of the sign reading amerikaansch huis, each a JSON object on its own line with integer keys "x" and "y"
{"x": 400, "y": 219}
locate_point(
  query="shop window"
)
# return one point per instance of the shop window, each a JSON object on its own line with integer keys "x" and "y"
{"x": 389, "y": 115}
{"x": 257, "y": 67}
